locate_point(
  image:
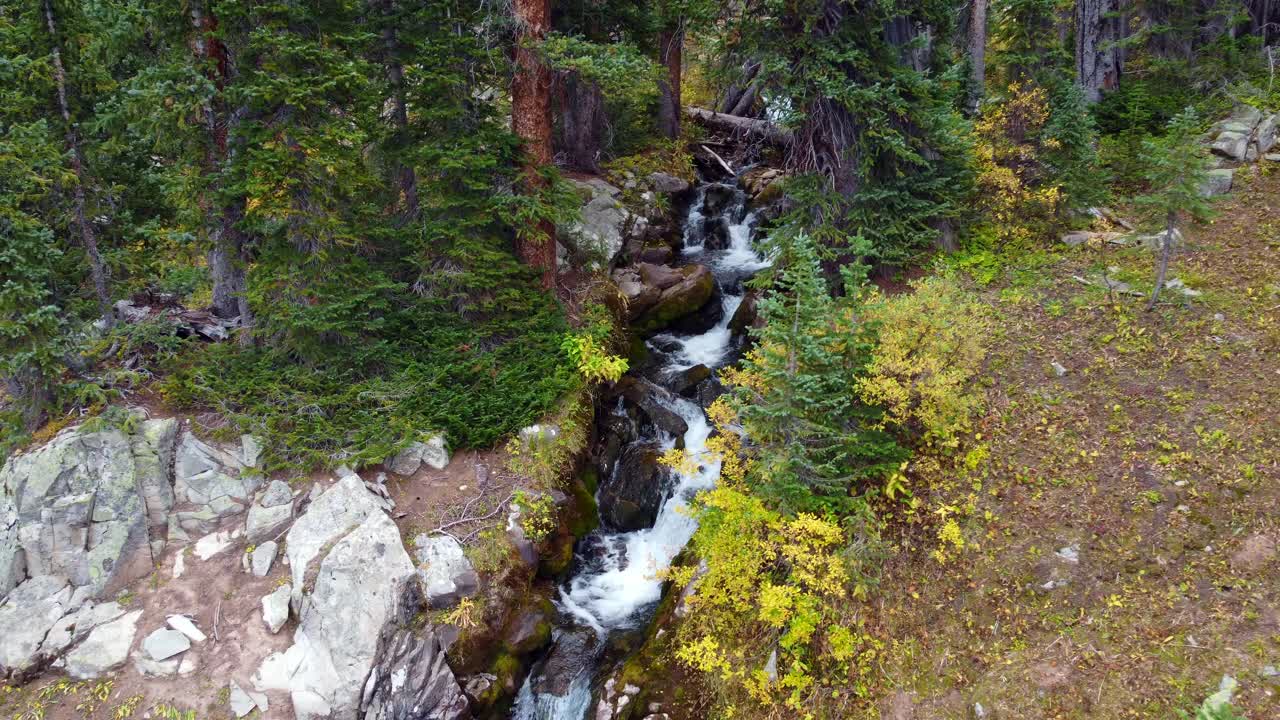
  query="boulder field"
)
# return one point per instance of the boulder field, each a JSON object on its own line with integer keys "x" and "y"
{"x": 233, "y": 559}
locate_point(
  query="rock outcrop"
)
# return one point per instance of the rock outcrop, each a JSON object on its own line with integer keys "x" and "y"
{"x": 345, "y": 554}
{"x": 82, "y": 507}
{"x": 605, "y": 224}
{"x": 209, "y": 484}
{"x": 1245, "y": 136}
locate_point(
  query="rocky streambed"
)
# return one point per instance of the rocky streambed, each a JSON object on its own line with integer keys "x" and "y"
{"x": 693, "y": 316}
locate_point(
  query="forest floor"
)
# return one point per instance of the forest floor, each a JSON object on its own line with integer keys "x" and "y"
{"x": 1121, "y": 512}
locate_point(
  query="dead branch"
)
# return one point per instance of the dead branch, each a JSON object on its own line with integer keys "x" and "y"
{"x": 737, "y": 125}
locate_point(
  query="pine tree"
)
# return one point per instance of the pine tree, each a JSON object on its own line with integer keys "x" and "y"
{"x": 816, "y": 438}
{"x": 531, "y": 122}
{"x": 1177, "y": 167}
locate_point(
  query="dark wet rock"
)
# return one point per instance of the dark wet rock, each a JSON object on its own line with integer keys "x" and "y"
{"x": 709, "y": 391}
{"x": 701, "y": 320}
{"x": 655, "y": 402}
{"x": 715, "y": 233}
{"x": 570, "y": 656}
{"x": 655, "y": 254}
{"x": 412, "y": 681}
{"x": 617, "y": 429}
{"x": 746, "y": 314}
{"x": 529, "y": 631}
{"x": 687, "y": 380}
{"x": 631, "y": 497}
{"x": 717, "y": 199}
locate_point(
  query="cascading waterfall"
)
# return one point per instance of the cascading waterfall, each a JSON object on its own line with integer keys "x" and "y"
{"x": 616, "y": 586}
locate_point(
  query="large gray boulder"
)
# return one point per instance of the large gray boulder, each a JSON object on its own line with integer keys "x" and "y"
{"x": 85, "y": 505}
{"x": 331, "y": 516}
{"x": 26, "y": 617}
{"x": 1231, "y": 145}
{"x": 412, "y": 681}
{"x": 1217, "y": 182}
{"x": 602, "y": 231}
{"x": 350, "y": 570}
{"x": 106, "y": 648}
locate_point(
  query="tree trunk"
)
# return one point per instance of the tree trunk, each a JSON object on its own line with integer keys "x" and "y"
{"x": 1097, "y": 62}
{"x": 740, "y": 99}
{"x": 405, "y": 177}
{"x": 88, "y": 237}
{"x": 1166, "y": 250}
{"x": 531, "y": 122}
{"x": 977, "y": 52}
{"x": 228, "y": 254}
{"x": 670, "y": 56}
{"x": 582, "y": 122}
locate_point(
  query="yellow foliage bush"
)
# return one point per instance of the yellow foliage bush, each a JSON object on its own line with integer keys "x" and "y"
{"x": 772, "y": 584}
{"x": 1017, "y": 201}
{"x": 931, "y": 344}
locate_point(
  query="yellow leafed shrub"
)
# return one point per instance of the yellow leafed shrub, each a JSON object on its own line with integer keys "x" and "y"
{"x": 931, "y": 344}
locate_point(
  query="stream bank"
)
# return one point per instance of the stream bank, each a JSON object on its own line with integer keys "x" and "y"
{"x": 690, "y": 319}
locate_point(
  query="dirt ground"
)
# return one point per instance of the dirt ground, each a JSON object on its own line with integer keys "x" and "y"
{"x": 1121, "y": 512}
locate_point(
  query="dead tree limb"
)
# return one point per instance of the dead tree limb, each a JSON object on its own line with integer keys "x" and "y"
{"x": 751, "y": 127}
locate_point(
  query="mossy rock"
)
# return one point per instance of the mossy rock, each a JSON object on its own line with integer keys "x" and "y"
{"x": 683, "y": 298}
{"x": 556, "y": 557}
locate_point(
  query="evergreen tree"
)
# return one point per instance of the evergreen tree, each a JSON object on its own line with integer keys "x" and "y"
{"x": 1176, "y": 171}
{"x": 817, "y": 439}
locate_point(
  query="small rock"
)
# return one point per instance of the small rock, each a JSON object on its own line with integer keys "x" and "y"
{"x": 1271, "y": 157}
{"x": 263, "y": 523}
{"x": 184, "y": 625}
{"x": 243, "y": 702}
{"x": 1217, "y": 182}
{"x": 250, "y": 450}
{"x": 277, "y": 493}
{"x": 179, "y": 563}
{"x": 446, "y": 572}
{"x": 275, "y": 608}
{"x": 432, "y": 453}
{"x": 979, "y": 711}
{"x": 262, "y": 557}
{"x": 165, "y": 643}
{"x": 190, "y": 663}
{"x": 212, "y": 544}
{"x": 1070, "y": 553}
{"x": 1270, "y": 671}
{"x": 1058, "y": 369}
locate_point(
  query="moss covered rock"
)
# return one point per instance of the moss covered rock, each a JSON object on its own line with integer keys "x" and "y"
{"x": 693, "y": 290}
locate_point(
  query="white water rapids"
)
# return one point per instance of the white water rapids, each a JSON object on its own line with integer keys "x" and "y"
{"x": 619, "y": 588}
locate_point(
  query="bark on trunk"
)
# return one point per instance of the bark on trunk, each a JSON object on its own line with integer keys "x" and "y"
{"x": 531, "y": 122}
{"x": 406, "y": 178}
{"x": 977, "y": 52}
{"x": 670, "y": 56}
{"x": 88, "y": 237}
{"x": 1097, "y": 61}
{"x": 741, "y": 97}
{"x": 582, "y": 122}
{"x": 228, "y": 254}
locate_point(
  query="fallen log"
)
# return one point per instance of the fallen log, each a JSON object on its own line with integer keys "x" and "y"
{"x": 752, "y": 127}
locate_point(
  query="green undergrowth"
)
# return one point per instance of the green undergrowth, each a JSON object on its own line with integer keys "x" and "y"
{"x": 427, "y": 369}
